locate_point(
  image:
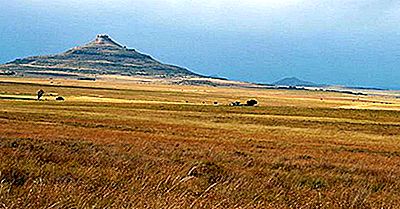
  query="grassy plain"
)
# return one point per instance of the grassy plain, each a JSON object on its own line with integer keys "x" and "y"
{"x": 124, "y": 145}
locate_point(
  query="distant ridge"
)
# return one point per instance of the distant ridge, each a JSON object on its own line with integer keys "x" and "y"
{"x": 293, "y": 81}
{"x": 102, "y": 56}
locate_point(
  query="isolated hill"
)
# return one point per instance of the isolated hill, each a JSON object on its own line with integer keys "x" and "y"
{"x": 293, "y": 81}
{"x": 101, "y": 56}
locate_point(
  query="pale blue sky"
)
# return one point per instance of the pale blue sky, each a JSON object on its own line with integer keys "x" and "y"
{"x": 349, "y": 42}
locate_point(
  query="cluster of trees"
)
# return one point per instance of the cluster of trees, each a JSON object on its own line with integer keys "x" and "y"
{"x": 40, "y": 94}
{"x": 251, "y": 103}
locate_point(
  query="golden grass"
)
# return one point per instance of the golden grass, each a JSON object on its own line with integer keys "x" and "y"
{"x": 128, "y": 145}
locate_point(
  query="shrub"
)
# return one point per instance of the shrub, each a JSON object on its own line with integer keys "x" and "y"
{"x": 251, "y": 102}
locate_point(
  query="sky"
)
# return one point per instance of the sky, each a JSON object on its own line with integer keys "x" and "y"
{"x": 343, "y": 42}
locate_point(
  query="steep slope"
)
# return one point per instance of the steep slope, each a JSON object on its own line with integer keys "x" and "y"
{"x": 101, "y": 56}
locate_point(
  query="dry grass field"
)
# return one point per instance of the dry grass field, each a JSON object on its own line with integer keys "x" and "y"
{"x": 115, "y": 144}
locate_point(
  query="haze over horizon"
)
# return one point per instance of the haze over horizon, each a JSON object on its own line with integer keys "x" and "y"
{"x": 348, "y": 42}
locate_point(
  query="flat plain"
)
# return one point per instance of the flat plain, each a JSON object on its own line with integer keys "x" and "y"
{"x": 121, "y": 144}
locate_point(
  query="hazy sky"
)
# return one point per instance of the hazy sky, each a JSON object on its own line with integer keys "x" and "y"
{"x": 349, "y": 42}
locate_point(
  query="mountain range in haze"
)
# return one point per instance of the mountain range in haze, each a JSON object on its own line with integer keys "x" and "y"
{"x": 293, "y": 81}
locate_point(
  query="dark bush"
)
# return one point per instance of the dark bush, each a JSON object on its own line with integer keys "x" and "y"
{"x": 251, "y": 102}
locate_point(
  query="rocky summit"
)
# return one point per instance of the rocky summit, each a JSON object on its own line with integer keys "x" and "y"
{"x": 101, "y": 56}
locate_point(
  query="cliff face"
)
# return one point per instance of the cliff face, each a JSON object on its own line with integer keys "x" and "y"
{"x": 100, "y": 56}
